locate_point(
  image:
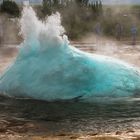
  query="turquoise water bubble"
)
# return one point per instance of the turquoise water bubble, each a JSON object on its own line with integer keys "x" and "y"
{"x": 48, "y": 68}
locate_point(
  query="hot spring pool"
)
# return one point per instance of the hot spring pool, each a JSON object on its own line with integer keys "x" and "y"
{"x": 74, "y": 117}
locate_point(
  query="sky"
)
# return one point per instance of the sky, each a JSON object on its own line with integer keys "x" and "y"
{"x": 121, "y": 1}
{"x": 111, "y": 2}
{"x": 106, "y": 1}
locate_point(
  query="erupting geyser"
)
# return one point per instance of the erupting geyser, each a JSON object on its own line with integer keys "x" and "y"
{"x": 48, "y": 68}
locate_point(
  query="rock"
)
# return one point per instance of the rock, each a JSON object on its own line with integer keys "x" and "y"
{"x": 18, "y": 129}
{"x": 118, "y": 133}
{"x": 10, "y": 132}
{"x": 3, "y": 129}
{"x": 130, "y": 131}
{"x": 29, "y": 125}
{"x": 93, "y": 134}
{"x": 62, "y": 134}
{"x": 4, "y": 122}
{"x": 74, "y": 137}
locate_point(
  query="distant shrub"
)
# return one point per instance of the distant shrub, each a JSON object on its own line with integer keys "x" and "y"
{"x": 10, "y": 7}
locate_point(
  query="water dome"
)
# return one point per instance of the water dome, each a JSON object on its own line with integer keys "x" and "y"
{"x": 49, "y": 68}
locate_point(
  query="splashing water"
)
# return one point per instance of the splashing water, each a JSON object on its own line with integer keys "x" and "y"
{"x": 48, "y": 68}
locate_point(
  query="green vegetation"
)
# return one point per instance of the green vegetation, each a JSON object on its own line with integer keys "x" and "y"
{"x": 78, "y": 17}
{"x": 126, "y": 16}
{"x": 10, "y": 7}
